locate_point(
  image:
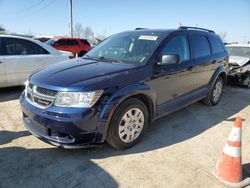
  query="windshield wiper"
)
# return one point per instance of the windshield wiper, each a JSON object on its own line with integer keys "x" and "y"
{"x": 109, "y": 59}
{"x": 101, "y": 58}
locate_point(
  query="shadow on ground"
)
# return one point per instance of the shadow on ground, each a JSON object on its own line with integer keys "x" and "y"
{"x": 10, "y": 93}
{"x": 246, "y": 170}
{"x": 8, "y": 136}
{"x": 71, "y": 168}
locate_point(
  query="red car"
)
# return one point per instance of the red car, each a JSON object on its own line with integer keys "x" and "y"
{"x": 77, "y": 46}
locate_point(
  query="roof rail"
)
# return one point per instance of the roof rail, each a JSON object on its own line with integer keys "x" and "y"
{"x": 139, "y": 28}
{"x": 195, "y": 28}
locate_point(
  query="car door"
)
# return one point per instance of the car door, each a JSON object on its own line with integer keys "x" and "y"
{"x": 204, "y": 62}
{"x": 2, "y": 65}
{"x": 22, "y": 58}
{"x": 175, "y": 80}
{"x": 73, "y": 46}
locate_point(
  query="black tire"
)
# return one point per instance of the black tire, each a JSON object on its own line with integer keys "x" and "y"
{"x": 248, "y": 84}
{"x": 81, "y": 53}
{"x": 113, "y": 137}
{"x": 209, "y": 100}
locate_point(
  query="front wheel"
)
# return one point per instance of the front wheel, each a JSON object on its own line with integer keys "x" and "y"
{"x": 214, "y": 96}
{"x": 128, "y": 124}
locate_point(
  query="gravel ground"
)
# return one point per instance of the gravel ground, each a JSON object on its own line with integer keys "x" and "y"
{"x": 179, "y": 150}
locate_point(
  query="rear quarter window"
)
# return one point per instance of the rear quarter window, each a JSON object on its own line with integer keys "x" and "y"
{"x": 85, "y": 42}
{"x": 200, "y": 46}
{"x": 216, "y": 44}
{"x": 61, "y": 42}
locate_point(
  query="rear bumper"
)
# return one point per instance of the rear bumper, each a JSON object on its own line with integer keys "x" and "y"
{"x": 62, "y": 127}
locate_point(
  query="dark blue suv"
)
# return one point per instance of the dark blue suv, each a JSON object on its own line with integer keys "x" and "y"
{"x": 127, "y": 81}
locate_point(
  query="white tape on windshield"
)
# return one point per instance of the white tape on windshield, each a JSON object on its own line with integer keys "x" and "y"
{"x": 148, "y": 37}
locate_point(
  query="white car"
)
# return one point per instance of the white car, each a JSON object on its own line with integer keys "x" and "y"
{"x": 239, "y": 64}
{"x": 20, "y": 56}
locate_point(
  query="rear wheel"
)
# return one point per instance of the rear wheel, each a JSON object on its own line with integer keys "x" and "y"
{"x": 214, "y": 96}
{"x": 128, "y": 124}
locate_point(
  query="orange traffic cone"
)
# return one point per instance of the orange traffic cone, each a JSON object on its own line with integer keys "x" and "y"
{"x": 229, "y": 166}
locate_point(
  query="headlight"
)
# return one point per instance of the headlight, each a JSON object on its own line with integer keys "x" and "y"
{"x": 77, "y": 99}
{"x": 26, "y": 83}
{"x": 241, "y": 70}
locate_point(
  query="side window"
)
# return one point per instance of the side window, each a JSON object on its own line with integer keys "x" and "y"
{"x": 200, "y": 46}
{"x": 72, "y": 42}
{"x": 1, "y": 48}
{"x": 216, "y": 44}
{"x": 15, "y": 46}
{"x": 177, "y": 45}
{"x": 61, "y": 42}
{"x": 85, "y": 42}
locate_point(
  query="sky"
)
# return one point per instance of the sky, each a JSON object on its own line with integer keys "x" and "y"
{"x": 51, "y": 17}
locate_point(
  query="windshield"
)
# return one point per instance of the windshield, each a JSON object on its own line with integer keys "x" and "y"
{"x": 134, "y": 48}
{"x": 50, "y": 42}
{"x": 239, "y": 51}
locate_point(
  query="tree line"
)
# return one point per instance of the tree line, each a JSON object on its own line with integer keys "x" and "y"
{"x": 78, "y": 31}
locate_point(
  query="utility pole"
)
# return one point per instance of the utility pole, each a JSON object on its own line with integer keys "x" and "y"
{"x": 70, "y": 19}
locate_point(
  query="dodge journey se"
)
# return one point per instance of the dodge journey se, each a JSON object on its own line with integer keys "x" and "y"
{"x": 120, "y": 86}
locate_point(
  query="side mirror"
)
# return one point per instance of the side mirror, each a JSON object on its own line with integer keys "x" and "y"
{"x": 169, "y": 59}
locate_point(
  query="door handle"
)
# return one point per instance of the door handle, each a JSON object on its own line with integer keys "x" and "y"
{"x": 190, "y": 68}
{"x": 213, "y": 62}
{"x": 1, "y": 62}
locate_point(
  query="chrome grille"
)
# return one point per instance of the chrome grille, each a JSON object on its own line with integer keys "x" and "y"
{"x": 45, "y": 91}
{"x": 30, "y": 85}
{"x": 39, "y": 96}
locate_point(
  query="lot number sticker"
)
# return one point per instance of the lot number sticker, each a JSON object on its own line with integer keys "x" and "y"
{"x": 147, "y": 37}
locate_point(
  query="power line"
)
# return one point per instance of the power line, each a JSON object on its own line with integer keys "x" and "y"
{"x": 26, "y": 9}
{"x": 32, "y": 13}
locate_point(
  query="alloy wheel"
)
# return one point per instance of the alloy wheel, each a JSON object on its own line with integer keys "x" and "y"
{"x": 217, "y": 91}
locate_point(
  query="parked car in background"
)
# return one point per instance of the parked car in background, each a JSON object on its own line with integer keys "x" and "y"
{"x": 123, "y": 84}
{"x": 239, "y": 62}
{"x": 77, "y": 46}
{"x": 20, "y": 56}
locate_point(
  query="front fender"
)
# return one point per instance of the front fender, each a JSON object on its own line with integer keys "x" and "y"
{"x": 116, "y": 99}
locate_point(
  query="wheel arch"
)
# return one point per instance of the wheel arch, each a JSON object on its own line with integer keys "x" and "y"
{"x": 219, "y": 72}
{"x": 223, "y": 75}
{"x": 142, "y": 92}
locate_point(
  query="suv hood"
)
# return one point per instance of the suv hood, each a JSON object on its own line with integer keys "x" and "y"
{"x": 80, "y": 73}
{"x": 238, "y": 60}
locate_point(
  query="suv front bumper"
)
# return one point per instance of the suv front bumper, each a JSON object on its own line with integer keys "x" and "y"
{"x": 62, "y": 127}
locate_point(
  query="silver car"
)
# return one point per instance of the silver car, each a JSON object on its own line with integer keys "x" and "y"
{"x": 20, "y": 56}
{"x": 239, "y": 62}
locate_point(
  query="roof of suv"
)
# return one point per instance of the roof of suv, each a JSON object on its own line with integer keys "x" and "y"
{"x": 167, "y": 31}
